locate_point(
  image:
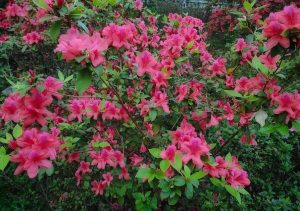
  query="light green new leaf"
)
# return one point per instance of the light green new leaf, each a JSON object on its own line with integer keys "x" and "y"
{"x": 177, "y": 164}
{"x": 198, "y": 175}
{"x": 41, "y": 4}
{"x": 164, "y": 165}
{"x": 155, "y": 152}
{"x": 4, "y": 159}
{"x": 144, "y": 173}
{"x": 234, "y": 193}
{"x": 233, "y": 93}
{"x": 17, "y": 131}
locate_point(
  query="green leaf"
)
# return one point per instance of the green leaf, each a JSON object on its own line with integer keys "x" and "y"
{"x": 234, "y": 193}
{"x": 100, "y": 3}
{"x": 296, "y": 125}
{"x": 236, "y": 13}
{"x": 181, "y": 59}
{"x": 228, "y": 158}
{"x": 179, "y": 181}
{"x": 164, "y": 165}
{"x": 260, "y": 117}
{"x": 144, "y": 173}
{"x": 242, "y": 191}
{"x": 4, "y": 158}
{"x": 83, "y": 26}
{"x": 282, "y": 129}
{"x": 112, "y": 2}
{"x": 233, "y": 93}
{"x": 4, "y": 140}
{"x": 54, "y": 30}
{"x": 190, "y": 44}
{"x": 17, "y": 131}
{"x": 187, "y": 171}
{"x": 177, "y": 164}
{"x": 172, "y": 201}
{"x": 8, "y": 137}
{"x": 267, "y": 129}
{"x": 50, "y": 171}
{"x": 155, "y": 152}
{"x": 61, "y": 76}
{"x": 152, "y": 115}
{"x": 84, "y": 80}
{"x": 215, "y": 182}
{"x": 247, "y": 6}
{"x": 198, "y": 175}
{"x": 259, "y": 66}
{"x": 41, "y": 4}
{"x": 189, "y": 191}
{"x": 159, "y": 175}
{"x": 99, "y": 144}
{"x": 70, "y": 77}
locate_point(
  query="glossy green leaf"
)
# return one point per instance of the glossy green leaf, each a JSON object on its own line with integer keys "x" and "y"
{"x": 234, "y": 193}
{"x": 177, "y": 164}
{"x": 41, "y": 4}
{"x": 155, "y": 152}
{"x": 197, "y": 175}
{"x": 144, "y": 173}
{"x": 164, "y": 165}
{"x": 84, "y": 80}
{"x": 54, "y": 30}
{"x": 233, "y": 93}
{"x": 17, "y": 131}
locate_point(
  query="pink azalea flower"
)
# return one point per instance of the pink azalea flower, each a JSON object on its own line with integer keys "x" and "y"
{"x": 11, "y": 108}
{"x": 193, "y": 150}
{"x": 35, "y": 108}
{"x": 72, "y": 44}
{"x": 85, "y": 167}
{"x": 107, "y": 179}
{"x": 136, "y": 160}
{"x": 52, "y": 86}
{"x": 169, "y": 153}
{"x": 161, "y": 100}
{"x": 124, "y": 174}
{"x": 119, "y": 36}
{"x": 240, "y": 45}
{"x": 33, "y": 151}
{"x": 144, "y": 106}
{"x": 269, "y": 61}
{"x": 218, "y": 67}
{"x": 93, "y": 109}
{"x": 138, "y": 4}
{"x": 95, "y": 48}
{"x": 76, "y": 108}
{"x": 182, "y": 91}
{"x": 75, "y": 156}
{"x": 217, "y": 170}
{"x": 289, "y": 103}
{"x": 146, "y": 63}
{"x": 32, "y": 37}
{"x": 110, "y": 111}
{"x": 98, "y": 187}
{"x": 237, "y": 178}
{"x": 143, "y": 148}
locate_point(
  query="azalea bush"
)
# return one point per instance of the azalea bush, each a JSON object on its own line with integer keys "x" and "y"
{"x": 144, "y": 111}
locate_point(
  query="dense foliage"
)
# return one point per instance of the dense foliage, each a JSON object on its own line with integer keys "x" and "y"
{"x": 109, "y": 105}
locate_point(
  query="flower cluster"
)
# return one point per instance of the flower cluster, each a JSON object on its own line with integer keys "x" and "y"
{"x": 32, "y": 107}
{"x": 279, "y": 27}
{"x": 35, "y": 149}
{"x": 231, "y": 171}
